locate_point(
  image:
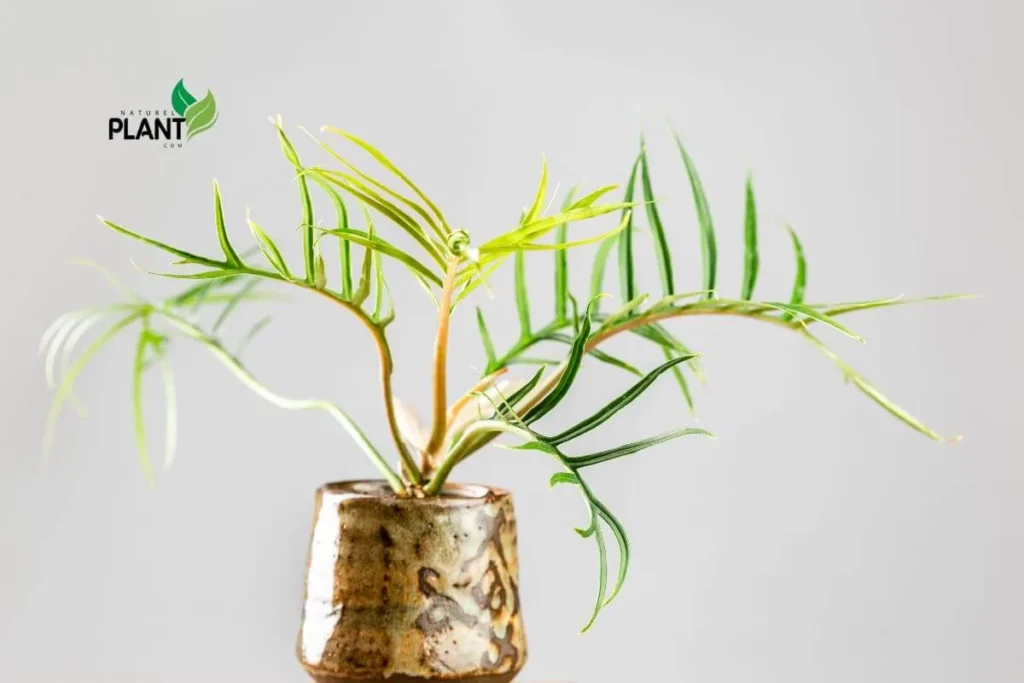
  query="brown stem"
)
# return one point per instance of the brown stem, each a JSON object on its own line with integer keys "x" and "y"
{"x": 444, "y": 314}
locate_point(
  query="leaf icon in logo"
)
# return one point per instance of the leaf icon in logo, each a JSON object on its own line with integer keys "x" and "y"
{"x": 201, "y": 115}
{"x": 181, "y": 99}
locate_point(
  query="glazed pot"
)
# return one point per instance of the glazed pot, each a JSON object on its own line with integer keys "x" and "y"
{"x": 411, "y": 590}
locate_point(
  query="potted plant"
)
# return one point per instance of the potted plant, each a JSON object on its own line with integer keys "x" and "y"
{"x": 413, "y": 577}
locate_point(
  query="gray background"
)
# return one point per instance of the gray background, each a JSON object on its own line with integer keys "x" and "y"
{"x": 816, "y": 540}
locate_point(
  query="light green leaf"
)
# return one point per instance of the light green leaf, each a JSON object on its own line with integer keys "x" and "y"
{"x": 222, "y": 233}
{"x": 485, "y": 337}
{"x": 308, "y": 220}
{"x": 538, "y": 200}
{"x": 800, "y": 280}
{"x": 140, "y": 424}
{"x": 522, "y": 298}
{"x": 269, "y": 249}
{"x": 562, "y": 263}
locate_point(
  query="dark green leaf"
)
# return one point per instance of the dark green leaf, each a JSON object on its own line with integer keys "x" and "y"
{"x": 630, "y": 448}
{"x": 627, "y": 286}
{"x": 661, "y": 248}
{"x": 572, "y": 367}
{"x": 620, "y": 402}
{"x": 181, "y": 99}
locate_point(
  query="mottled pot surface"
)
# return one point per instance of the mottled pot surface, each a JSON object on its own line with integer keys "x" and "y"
{"x": 408, "y": 590}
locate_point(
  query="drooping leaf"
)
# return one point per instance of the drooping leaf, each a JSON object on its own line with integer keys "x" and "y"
{"x": 661, "y": 248}
{"x": 624, "y": 552}
{"x": 620, "y": 402}
{"x": 684, "y": 386}
{"x": 708, "y": 249}
{"x": 750, "y": 257}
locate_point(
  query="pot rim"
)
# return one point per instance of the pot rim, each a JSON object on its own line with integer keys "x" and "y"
{"x": 379, "y": 489}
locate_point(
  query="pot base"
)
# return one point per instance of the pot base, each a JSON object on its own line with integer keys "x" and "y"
{"x": 487, "y": 678}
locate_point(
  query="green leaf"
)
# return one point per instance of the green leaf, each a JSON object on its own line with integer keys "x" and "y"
{"x": 600, "y": 263}
{"x": 222, "y": 233}
{"x": 65, "y": 389}
{"x": 709, "y": 255}
{"x": 623, "y": 312}
{"x": 366, "y": 271}
{"x": 852, "y": 306}
{"x": 181, "y": 99}
{"x": 522, "y": 298}
{"x": 538, "y": 200}
{"x": 563, "y": 478}
{"x": 188, "y": 257}
{"x": 750, "y": 258}
{"x": 531, "y": 232}
{"x": 630, "y": 448}
{"x": 200, "y": 115}
{"x": 661, "y": 248}
{"x": 258, "y": 327}
{"x": 590, "y": 199}
{"x": 233, "y": 302}
{"x": 620, "y": 402}
{"x": 623, "y": 542}
{"x": 485, "y": 337}
{"x": 308, "y": 239}
{"x": 562, "y": 264}
{"x": 269, "y": 249}
{"x": 344, "y": 245}
{"x": 375, "y": 243}
{"x": 557, "y": 247}
{"x": 572, "y": 367}
{"x": 795, "y": 310}
{"x": 627, "y": 286}
{"x": 170, "y": 411}
{"x": 140, "y": 424}
{"x": 681, "y": 381}
{"x": 508, "y": 406}
{"x": 387, "y": 163}
{"x": 800, "y": 280}
{"x": 597, "y": 354}
{"x": 874, "y": 394}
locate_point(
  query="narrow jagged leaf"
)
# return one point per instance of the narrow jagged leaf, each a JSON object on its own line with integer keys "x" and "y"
{"x": 233, "y": 302}
{"x": 511, "y": 401}
{"x": 617, "y": 404}
{"x": 538, "y": 200}
{"x": 850, "y": 307}
{"x": 139, "y": 419}
{"x": 522, "y": 297}
{"x": 627, "y": 285}
{"x": 269, "y": 249}
{"x": 634, "y": 447}
{"x": 684, "y": 386}
{"x": 591, "y": 198}
{"x": 708, "y": 250}
{"x": 389, "y": 165}
{"x": 186, "y": 256}
{"x": 572, "y": 367}
{"x": 562, "y": 263}
{"x": 344, "y": 245}
{"x": 796, "y": 310}
{"x": 800, "y": 279}
{"x": 661, "y": 248}
{"x": 308, "y": 238}
{"x": 623, "y": 542}
{"x": 375, "y": 243}
{"x": 485, "y": 337}
{"x": 222, "y": 233}
{"x": 365, "y": 272}
{"x": 750, "y": 257}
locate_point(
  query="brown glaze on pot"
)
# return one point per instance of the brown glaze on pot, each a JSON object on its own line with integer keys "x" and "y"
{"x": 407, "y": 590}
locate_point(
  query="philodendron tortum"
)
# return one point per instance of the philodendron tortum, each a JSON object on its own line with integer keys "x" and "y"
{"x": 451, "y": 265}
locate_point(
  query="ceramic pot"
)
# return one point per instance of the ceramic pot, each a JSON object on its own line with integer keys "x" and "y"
{"x": 411, "y": 590}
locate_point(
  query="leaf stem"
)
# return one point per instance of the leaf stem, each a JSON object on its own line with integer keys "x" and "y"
{"x": 444, "y": 314}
